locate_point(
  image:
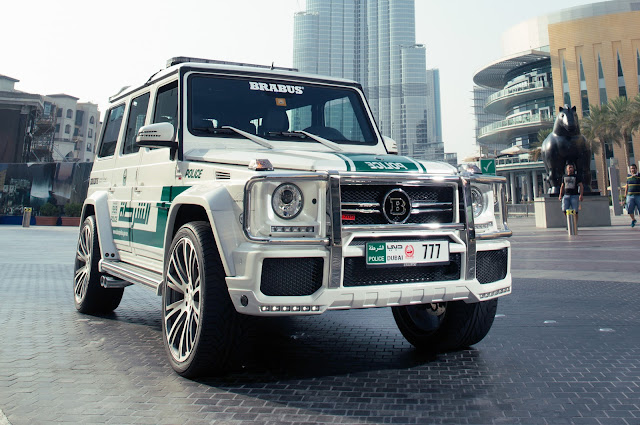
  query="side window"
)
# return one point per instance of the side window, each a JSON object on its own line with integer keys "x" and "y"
{"x": 167, "y": 105}
{"x": 137, "y": 117}
{"x": 111, "y": 131}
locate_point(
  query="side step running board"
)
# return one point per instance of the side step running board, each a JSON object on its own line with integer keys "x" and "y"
{"x": 128, "y": 273}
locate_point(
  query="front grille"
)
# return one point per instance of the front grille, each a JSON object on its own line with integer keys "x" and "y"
{"x": 491, "y": 266}
{"x": 362, "y": 204}
{"x": 356, "y": 272}
{"x": 291, "y": 277}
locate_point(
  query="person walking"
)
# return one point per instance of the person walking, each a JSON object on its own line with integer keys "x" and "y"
{"x": 632, "y": 193}
{"x": 571, "y": 190}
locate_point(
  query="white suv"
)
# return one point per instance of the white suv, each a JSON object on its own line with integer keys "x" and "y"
{"x": 237, "y": 190}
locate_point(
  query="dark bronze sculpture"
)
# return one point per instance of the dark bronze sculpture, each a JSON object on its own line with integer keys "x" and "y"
{"x": 566, "y": 145}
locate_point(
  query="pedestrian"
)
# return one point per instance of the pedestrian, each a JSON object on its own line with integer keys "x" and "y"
{"x": 632, "y": 192}
{"x": 571, "y": 190}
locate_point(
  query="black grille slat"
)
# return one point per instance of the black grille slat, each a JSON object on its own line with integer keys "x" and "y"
{"x": 291, "y": 276}
{"x": 491, "y": 266}
{"x": 353, "y": 194}
{"x": 356, "y": 273}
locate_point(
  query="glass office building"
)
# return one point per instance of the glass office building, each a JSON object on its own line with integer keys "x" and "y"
{"x": 373, "y": 42}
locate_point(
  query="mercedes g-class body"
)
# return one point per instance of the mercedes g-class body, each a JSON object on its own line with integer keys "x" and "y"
{"x": 236, "y": 190}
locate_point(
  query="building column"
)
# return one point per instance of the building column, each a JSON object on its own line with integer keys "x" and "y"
{"x": 512, "y": 184}
{"x": 526, "y": 188}
{"x": 534, "y": 183}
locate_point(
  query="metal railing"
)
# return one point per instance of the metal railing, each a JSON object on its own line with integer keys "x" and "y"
{"x": 520, "y": 210}
{"x": 517, "y": 89}
{"x": 520, "y": 120}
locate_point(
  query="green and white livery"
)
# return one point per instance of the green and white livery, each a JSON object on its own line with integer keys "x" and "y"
{"x": 235, "y": 190}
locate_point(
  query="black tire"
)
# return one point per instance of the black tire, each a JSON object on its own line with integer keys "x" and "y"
{"x": 443, "y": 327}
{"x": 89, "y": 296}
{"x": 201, "y": 329}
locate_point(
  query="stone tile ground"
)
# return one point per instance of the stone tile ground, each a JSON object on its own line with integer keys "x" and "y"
{"x": 561, "y": 351}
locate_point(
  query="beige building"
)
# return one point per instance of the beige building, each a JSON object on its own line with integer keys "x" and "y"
{"x": 581, "y": 56}
{"x": 600, "y": 57}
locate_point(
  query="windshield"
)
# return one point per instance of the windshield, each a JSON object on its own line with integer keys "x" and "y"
{"x": 275, "y": 111}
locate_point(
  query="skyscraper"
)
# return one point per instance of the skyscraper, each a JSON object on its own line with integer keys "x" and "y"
{"x": 373, "y": 42}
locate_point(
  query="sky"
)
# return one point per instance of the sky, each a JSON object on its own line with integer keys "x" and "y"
{"x": 90, "y": 50}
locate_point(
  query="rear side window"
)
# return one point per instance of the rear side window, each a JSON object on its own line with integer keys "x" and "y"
{"x": 111, "y": 131}
{"x": 167, "y": 105}
{"x": 137, "y": 117}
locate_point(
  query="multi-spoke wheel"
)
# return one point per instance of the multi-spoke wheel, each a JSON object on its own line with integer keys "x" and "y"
{"x": 89, "y": 296}
{"x": 200, "y": 325}
{"x": 446, "y": 326}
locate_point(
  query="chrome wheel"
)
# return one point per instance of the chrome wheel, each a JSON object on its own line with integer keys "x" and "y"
{"x": 182, "y": 302}
{"x": 84, "y": 254}
{"x": 88, "y": 295}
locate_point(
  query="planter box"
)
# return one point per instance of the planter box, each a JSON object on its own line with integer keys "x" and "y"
{"x": 46, "y": 221}
{"x": 70, "y": 221}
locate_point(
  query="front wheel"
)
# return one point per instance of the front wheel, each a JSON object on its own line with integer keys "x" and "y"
{"x": 89, "y": 296}
{"x": 200, "y": 326}
{"x": 447, "y": 326}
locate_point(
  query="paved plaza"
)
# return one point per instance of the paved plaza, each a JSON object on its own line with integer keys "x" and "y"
{"x": 564, "y": 349}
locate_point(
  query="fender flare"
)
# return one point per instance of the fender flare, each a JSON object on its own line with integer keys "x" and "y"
{"x": 103, "y": 221}
{"x": 222, "y": 213}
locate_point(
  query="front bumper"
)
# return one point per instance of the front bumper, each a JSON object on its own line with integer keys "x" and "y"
{"x": 248, "y": 298}
{"x": 285, "y": 277}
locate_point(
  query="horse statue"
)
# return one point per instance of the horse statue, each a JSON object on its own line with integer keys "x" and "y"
{"x": 566, "y": 145}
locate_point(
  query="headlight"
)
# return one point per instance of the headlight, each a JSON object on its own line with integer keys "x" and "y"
{"x": 287, "y": 201}
{"x": 477, "y": 201}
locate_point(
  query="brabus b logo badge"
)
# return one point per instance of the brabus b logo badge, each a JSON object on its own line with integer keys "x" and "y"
{"x": 396, "y": 206}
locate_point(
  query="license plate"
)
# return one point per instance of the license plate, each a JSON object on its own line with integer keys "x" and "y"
{"x": 407, "y": 253}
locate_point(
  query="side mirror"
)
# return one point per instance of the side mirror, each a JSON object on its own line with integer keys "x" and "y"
{"x": 159, "y": 135}
{"x": 390, "y": 144}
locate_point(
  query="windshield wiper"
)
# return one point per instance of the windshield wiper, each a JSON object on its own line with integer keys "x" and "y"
{"x": 231, "y": 130}
{"x": 304, "y": 134}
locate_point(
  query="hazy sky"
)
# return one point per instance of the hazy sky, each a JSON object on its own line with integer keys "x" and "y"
{"x": 90, "y": 50}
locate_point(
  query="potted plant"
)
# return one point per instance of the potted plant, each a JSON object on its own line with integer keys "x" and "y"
{"x": 48, "y": 215}
{"x": 72, "y": 213}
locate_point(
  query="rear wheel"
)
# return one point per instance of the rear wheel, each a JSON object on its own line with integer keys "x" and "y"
{"x": 200, "y": 326}
{"x": 89, "y": 296}
{"x": 447, "y": 326}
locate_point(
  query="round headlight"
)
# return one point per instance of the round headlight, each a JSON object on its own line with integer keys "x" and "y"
{"x": 287, "y": 201}
{"x": 477, "y": 201}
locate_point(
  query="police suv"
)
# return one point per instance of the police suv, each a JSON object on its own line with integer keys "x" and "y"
{"x": 236, "y": 190}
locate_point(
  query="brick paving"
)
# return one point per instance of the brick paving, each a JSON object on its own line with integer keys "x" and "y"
{"x": 561, "y": 351}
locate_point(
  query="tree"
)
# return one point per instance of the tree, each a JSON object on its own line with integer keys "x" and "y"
{"x": 536, "y": 147}
{"x": 597, "y": 129}
{"x": 624, "y": 123}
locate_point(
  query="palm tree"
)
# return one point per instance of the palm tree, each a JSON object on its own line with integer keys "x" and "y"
{"x": 624, "y": 123}
{"x": 536, "y": 147}
{"x": 596, "y": 128}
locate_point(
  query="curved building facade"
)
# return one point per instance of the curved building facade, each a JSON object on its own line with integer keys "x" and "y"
{"x": 579, "y": 56}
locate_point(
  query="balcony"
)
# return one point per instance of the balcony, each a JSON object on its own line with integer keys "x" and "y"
{"x": 502, "y": 132}
{"x": 502, "y": 101}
